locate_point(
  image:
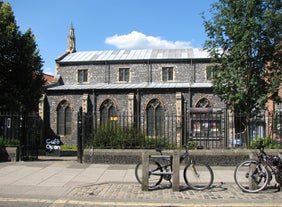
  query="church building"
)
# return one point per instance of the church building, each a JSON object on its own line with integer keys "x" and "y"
{"x": 164, "y": 92}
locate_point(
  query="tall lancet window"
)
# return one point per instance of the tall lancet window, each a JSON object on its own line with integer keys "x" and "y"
{"x": 64, "y": 118}
{"x": 155, "y": 118}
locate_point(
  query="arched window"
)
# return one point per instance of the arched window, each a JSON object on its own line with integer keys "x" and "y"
{"x": 64, "y": 119}
{"x": 68, "y": 120}
{"x": 107, "y": 110}
{"x": 155, "y": 118}
{"x": 203, "y": 103}
{"x": 206, "y": 123}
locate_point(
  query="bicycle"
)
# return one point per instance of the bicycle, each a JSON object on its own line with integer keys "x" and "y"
{"x": 255, "y": 175}
{"x": 198, "y": 176}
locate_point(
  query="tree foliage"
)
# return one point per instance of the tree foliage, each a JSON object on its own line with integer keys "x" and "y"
{"x": 21, "y": 76}
{"x": 243, "y": 36}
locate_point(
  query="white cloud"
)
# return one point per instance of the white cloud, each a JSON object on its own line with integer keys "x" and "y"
{"x": 138, "y": 40}
{"x": 49, "y": 71}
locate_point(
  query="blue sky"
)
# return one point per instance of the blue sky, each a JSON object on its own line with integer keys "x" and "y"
{"x": 111, "y": 24}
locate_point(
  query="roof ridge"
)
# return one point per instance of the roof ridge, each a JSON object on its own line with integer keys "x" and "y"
{"x": 135, "y": 54}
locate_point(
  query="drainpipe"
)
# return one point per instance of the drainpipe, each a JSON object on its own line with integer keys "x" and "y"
{"x": 138, "y": 109}
{"x": 149, "y": 72}
{"x": 107, "y": 73}
{"x": 94, "y": 112}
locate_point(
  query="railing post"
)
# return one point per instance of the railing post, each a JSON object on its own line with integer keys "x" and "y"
{"x": 145, "y": 171}
{"x": 79, "y": 136}
{"x": 175, "y": 169}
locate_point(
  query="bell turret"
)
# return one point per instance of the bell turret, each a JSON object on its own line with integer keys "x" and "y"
{"x": 71, "y": 41}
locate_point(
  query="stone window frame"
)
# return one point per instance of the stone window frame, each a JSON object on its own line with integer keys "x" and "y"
{"x": 154, "y": 105}
{"x": 123, "y": 79}
{"x": 209, "y": 74}
{"x": 169, "y": 77}
{"x": 205, "y": 123}
{"x": 203, "y": 102}
{"x": 84, "y": 77}
{"x": 64, "y": 118}
{"x": 107, "y": 104}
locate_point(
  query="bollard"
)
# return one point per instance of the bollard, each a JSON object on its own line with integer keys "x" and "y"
{"x": 252, "y": 185}
{"x": 280, "y": 155}
{"x": 175, "y": 167}
{"x": 253, "y": 155}
{"x": 145, "y": 171}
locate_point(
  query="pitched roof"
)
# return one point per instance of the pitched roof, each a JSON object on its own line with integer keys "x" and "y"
{"x": 145, "y": 54}
{"x": 131, "y": 86}
{"x": 49, "y": 79}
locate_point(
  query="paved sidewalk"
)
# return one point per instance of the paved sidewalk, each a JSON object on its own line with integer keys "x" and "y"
{"x": 57, "y": 183}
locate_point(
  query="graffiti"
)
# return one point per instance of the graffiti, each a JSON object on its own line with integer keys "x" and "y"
{"x": 53, "y": 144}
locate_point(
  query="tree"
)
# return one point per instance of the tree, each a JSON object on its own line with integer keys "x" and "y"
{"x": 243, "y": 35}
{"x": 21, "y": 76}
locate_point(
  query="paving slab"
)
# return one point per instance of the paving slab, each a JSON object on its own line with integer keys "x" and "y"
{"x": 69, "y": 183}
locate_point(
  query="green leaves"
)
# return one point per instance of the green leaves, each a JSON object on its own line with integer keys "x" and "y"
{"x": 21, "y": 76}
{"x": 246, "y": 31}
{"x": 243, "y": 36}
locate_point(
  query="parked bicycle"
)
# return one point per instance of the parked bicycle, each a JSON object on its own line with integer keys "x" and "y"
{"x": 198, "y": 176}
{"x": 255, "y": 175}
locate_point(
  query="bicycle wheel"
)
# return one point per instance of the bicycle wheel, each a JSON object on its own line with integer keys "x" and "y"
{"x": 251, "y": 176}
{"x": 154, "y": 167}
{"x": 198, "y": 176}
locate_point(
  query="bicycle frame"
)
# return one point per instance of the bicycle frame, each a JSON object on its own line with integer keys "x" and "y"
{"x": 165, "y": 158}
{"x": 168, "y": 166}
{"x": 197, "y": 176}
{"x": 267, "y": 160}
{"x": 273, "y": 170}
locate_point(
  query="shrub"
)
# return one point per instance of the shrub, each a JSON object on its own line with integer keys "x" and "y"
{"x": 193, "y": 144}
{"x": 112, "y": 135}
{"x": 68, "y": 147}
{"x": 9, "y": 142}
{"x": 267, "y": 142}
{"x": 158, "y": 141}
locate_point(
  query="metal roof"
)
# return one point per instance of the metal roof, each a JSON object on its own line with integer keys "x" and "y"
{"x": 146, "y": 54}
{"x": 132, "y": 86}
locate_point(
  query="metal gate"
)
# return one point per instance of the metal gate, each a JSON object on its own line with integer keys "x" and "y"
{"x": 205, "y": 128}
{"x": 24, "y": 132}
{"x": 84, "y": 132}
